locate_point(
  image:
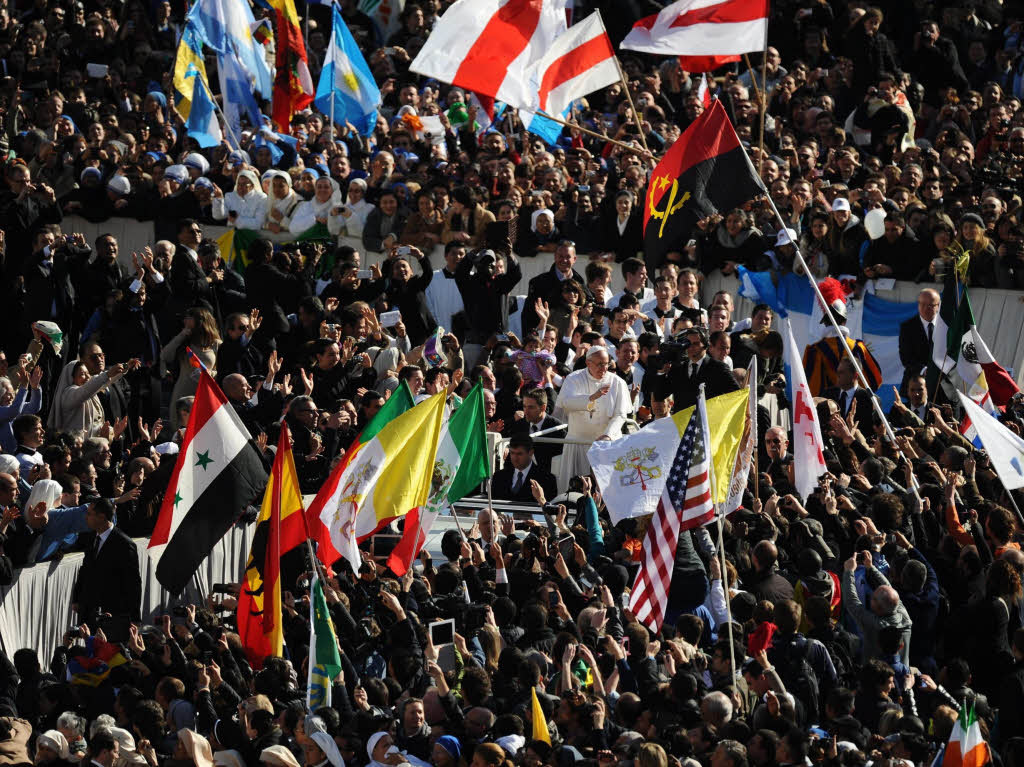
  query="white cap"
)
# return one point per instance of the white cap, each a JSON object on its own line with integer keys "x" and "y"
{"x": 785, "y": 237}
{"x": 840, "y": 203}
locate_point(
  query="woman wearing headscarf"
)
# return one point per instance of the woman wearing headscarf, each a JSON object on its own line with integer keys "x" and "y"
{"x": 245, "y": 207}
{"x": 77, "y": 405}
{"x": 383, "y": 752}
{"x": 50, "y": 529}
{"x": 281, "y": 202}
{"x": 447, "y": 752}
{"x": 52, "y": 749}
{"x": 193, "y": 748}
{"x": 543, "y": 236}
{"x": 356, "y": 209}
{"x": 322, "y": 751}
{"x": 324, "y": 209}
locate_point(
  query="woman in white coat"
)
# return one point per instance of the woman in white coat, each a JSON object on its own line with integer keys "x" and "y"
{"x": 245, "y": 207}
{"x": 281, "y": 201}
{"x": 324, "y": 208}
{"x": 356, "y": 209}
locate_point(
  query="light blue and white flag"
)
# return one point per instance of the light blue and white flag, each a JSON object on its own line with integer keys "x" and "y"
{"x": 237, "y": 84}
{"x": 791, "y": 296}
{"x": 202, "y": 122}
{"x": 226, "y": 25}
{"x": 347, "y": 80}
{"x": 877, "y": 323}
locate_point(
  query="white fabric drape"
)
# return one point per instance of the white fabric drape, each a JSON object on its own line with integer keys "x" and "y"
{"x": 35, "y": 610}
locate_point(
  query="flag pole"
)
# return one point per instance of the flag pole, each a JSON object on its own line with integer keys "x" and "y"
{"x": 752, "y": 381}
{"x": 862, "y": 379}
{"x": 702, "y": 410}
{"x": 764, "y": 102}
{"x": 753, "y": 79}
{"x": 639, "y": 118}
{"x": 595, "y": 134}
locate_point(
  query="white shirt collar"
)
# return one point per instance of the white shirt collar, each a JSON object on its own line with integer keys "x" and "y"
{"x": 102, "y": 537}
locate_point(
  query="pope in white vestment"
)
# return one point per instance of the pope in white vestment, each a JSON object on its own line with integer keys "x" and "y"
{"x": 595, "y": 404}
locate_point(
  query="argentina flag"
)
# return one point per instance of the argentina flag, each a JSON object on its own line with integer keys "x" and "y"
{"x": 346, "y": 82}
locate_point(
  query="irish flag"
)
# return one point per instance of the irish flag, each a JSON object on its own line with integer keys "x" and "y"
{"x": 461, "y": 464}
{"x": 966, "y": 747}
{"x": 380, "y": 478}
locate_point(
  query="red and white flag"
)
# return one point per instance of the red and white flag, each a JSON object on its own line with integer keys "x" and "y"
{"x": 704, "y": 28}
{"x": 704, "y": 91}
{"x": 685, "y": 504}
{"x": 579, "y": 62}
{"x": 488, "y": 46}
{"x": 808, "y": 446}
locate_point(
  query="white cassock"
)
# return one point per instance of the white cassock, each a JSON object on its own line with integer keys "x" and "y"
{"x": 607, "y": 417}
{"x": 444, "y": 299}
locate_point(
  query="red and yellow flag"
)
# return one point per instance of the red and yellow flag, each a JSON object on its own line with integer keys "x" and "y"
{"x": 293, "y": 85}
{"x": 279, "y": 529}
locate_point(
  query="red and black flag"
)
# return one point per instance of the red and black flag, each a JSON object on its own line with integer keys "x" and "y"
{"x": 705, "y": 172}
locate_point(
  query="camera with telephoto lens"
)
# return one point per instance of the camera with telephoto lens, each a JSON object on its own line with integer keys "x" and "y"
{"x": 485, "y": 261}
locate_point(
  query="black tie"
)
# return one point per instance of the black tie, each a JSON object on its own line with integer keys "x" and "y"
{"x": 518, "y": 485}
{"x": 96, "y": 547}
{"x": 931, "y": 331}
{"x": 694, "y": 367}
{"x": 842, "y": 402}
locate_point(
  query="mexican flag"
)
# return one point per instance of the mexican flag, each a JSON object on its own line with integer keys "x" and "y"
{"x": 324, "y": 658}
{"x": 986, "y": 380}
{"x": 966, "y": 747}
{"x": 460, "y": 466}
{"x": 378, "y": 480}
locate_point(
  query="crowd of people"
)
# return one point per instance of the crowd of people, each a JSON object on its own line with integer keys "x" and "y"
{"x": 866, "y": 617}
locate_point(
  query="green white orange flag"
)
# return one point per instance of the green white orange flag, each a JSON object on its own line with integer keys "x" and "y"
{"x": 966, "y": 747}
{"x": 380, "y": 479}
{"x": 460, "y": 466}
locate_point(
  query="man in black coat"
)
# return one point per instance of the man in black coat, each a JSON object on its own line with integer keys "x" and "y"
{"x": 513, "y": 482}
{"x": 109, "y": 581}
{"x": 536, "y": 418}
{"x": 548, "y": 286}
{"x": 188, "y": 282}
{"x": 265, "y": 284}
{"x": 684, "y": 379}
{"x": 917, "y": 336}
{"x": 846, "y": 392}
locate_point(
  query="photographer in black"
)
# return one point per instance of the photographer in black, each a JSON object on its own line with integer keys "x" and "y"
{"x": 485, "y": 279}
{"x": 697, "y": 367}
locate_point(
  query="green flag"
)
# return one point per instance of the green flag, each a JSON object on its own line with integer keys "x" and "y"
{"x": 324, "y": 658}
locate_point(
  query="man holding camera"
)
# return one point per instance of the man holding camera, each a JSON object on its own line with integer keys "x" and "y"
{"x": 695, "y": 368}
{"x": 485, "y": 279}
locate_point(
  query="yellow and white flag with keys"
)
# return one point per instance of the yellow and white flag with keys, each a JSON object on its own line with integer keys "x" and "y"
{"x": 631, "y": 471}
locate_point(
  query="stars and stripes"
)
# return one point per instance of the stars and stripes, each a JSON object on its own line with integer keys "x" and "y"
{"x": 685, "y": 503}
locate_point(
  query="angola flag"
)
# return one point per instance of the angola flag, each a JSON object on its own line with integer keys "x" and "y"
{"x": 279, "y": 529}
{"x": 705, "y": 172}
{"x": 293, "y": 84}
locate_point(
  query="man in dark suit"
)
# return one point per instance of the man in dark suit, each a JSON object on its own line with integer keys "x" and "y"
{"x": 684, "y": 379}
{"x": 548, "y": 286}
{"x": 846, "y": 392}
{"x": 915, "y": 412}
{"x": 917, "y": 337}
{"x": 536, "y": 418}
{"x": 513, "y": 482}
{"x": 188, "y": 282}
{"x": 137, "y": 334}
{"x": 109, "y": 581}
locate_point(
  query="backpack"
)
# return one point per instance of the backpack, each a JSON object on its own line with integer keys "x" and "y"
{"x": 801, "y": 680}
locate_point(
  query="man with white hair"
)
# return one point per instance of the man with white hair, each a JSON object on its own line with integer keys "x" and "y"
{"x": 596, "y": 405}
{"x": 884, "y": 611}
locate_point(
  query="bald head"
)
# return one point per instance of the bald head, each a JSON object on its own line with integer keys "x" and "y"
{"x": 236, "y": 387}
{"x": 765, "y": 555}
{"x": 884, "y": 600}
{"x": 928, "y": 304}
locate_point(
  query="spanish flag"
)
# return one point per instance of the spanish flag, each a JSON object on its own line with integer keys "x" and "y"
{"x": 279, "y": 529}
{"x": 293, "y": 84}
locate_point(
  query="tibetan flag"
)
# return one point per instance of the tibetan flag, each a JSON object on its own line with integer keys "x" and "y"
{"x": 93, "y": 668}
{"x": 279, "y": 529}
{"x": 347, "y": 91}
{"x": 460, "y": 466}
{"x": 293, "y": 85}
{"x": 399, "y": 402}
{"x": 966, "y": 747}
{"x": 219, "y": 472}
{"x": 383, "y": 478}
{"x": 540, "y": 722}
{"x": 705, "y": 172}
{"x": 324, "y": 658}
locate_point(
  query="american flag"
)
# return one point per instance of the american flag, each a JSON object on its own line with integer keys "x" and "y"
{"x": 685, "y": 504}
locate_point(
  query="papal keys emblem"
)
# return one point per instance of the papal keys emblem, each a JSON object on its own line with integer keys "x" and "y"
{"x": 637, "y": 467}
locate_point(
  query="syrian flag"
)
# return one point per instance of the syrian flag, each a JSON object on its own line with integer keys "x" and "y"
{"x": 704, "y": 35}
{"x": 706, "y": 171}
{"x": 218, "y": 473}
{"x": 988, "y": 383}
{"x": 460, "y": 466}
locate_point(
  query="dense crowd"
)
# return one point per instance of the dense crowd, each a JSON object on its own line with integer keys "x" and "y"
{"x": 867, "y": 616}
